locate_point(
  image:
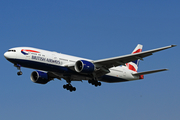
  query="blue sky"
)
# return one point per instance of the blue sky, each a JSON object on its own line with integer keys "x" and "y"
{"x": 93, "y": 29}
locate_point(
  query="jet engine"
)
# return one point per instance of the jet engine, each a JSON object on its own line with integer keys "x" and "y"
{"x": 83, "y": 66}
{"x": 40, "y": 77}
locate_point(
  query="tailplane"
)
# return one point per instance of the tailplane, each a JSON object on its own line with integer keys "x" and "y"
{"x": 134, "y": 64}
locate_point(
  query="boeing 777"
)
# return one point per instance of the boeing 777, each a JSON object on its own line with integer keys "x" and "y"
{"x": 50, "y": 65}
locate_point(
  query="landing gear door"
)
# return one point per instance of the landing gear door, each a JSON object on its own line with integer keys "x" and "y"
{"x": 124, "y": 73}
{"x": 54, "y": 56}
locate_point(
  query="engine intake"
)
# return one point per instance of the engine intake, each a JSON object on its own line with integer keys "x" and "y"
{"x": 39, "y": 77}
{"x": 84, "y": 66}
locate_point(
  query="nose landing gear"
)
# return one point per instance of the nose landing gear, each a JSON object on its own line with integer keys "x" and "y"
{"x": 19, "y": 68}
{"x": 19, "y": 73}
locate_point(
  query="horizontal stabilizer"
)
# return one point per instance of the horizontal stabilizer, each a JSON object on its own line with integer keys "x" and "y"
{"x": 149, "y": 72}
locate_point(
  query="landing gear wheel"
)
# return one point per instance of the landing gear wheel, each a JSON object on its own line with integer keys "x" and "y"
{"x": 99, "y": 83}
{"x": 64, "y": 86}
{"x": 74, "y": 89}
{"x": 95, "y": 83}
{"x": 19, "y": 73}
{"x": 69, "y": 87}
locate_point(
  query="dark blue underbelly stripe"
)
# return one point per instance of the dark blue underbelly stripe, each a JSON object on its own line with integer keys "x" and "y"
{"x": 59, "y": 69}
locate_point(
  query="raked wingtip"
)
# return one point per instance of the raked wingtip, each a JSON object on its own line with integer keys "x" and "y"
{"x": 173, "y": 45}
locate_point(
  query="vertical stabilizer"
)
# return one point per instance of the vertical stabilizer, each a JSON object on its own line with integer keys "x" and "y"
{"x": 134, "y": 64}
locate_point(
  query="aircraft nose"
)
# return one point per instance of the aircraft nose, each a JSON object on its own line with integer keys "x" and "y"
{"x": 10, "y": 55}
{"x": 6, "y": 55}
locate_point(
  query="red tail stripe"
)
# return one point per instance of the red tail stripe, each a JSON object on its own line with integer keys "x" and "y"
{"x": 131, "y": 67}
{"x": 137, "y": 51}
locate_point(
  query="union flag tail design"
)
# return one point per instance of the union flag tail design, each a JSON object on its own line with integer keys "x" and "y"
{"x": 134, "y": 64}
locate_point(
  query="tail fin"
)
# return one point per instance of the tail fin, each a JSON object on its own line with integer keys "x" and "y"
{"x": 134, "y": 64}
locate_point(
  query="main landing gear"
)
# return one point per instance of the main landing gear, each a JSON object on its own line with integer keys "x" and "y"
{"x": 69, "y": 87}
{"x": 94, "y": 82}
{"x": 19, "y": 68}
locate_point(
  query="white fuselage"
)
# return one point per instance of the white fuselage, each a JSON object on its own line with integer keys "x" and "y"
{"x": 60, "y": 64}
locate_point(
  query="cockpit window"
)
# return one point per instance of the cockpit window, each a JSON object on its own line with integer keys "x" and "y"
{"x": 11, "y": 50}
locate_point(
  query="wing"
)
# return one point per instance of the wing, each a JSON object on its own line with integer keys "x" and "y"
{"x": 105, "y": 64}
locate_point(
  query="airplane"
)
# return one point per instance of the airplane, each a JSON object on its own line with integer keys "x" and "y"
{"x": 50, "y": 65}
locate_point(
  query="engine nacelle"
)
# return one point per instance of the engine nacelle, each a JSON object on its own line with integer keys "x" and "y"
{"x": 40, "y": 77}
{"x": 84, "y": 66}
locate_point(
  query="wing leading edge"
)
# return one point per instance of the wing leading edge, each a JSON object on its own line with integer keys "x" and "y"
{"x": 122, "y": 60}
